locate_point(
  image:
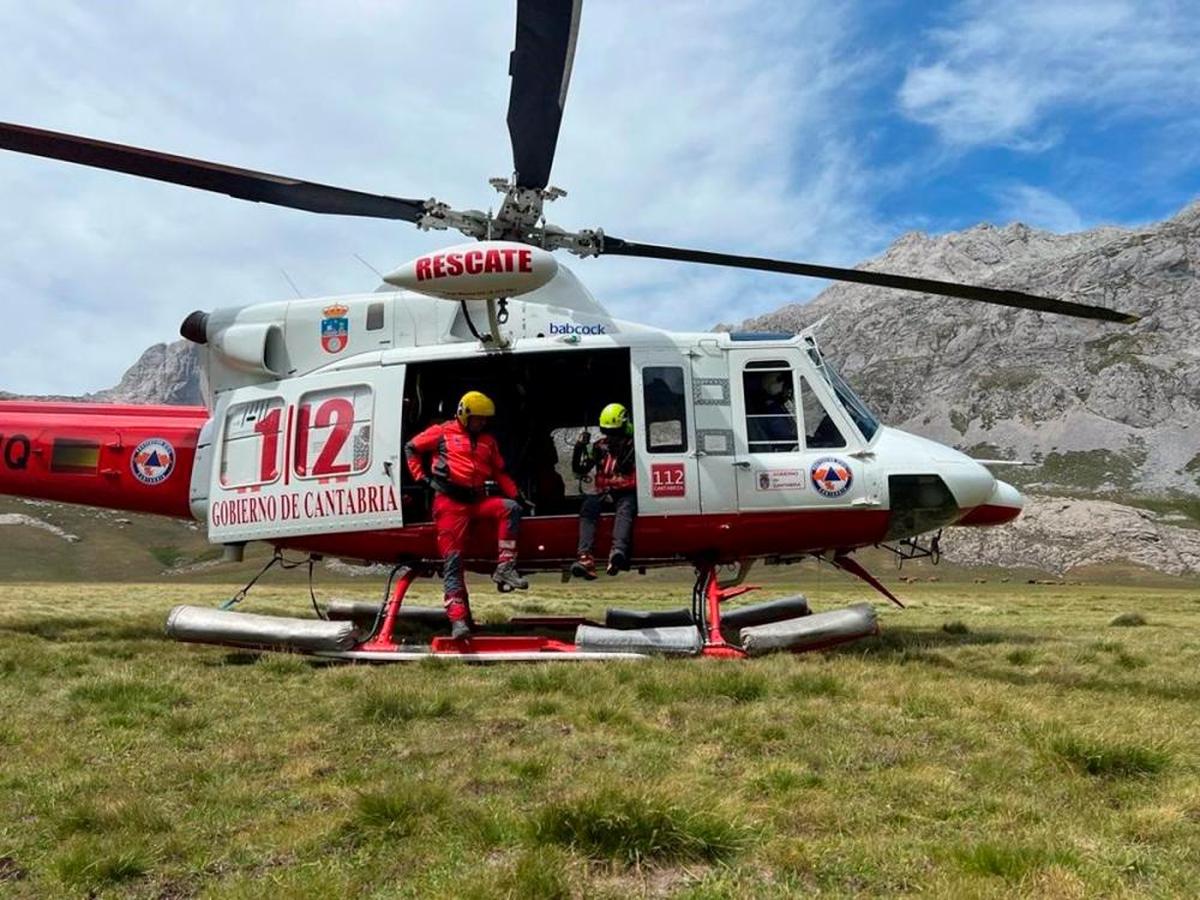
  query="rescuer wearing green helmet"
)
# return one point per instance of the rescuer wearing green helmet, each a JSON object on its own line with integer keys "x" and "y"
{"x": 611, "y": 457}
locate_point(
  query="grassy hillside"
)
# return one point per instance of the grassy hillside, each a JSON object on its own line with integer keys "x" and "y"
{"x": 111, "y": 545}
{"x": 997, "y": 739}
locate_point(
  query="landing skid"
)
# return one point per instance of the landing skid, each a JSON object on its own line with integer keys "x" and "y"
{"x": 703, "y": 629}
{"x": 416, "y": 654}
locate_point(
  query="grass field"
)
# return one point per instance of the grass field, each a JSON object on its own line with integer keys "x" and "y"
{"x": 997, "y": 739}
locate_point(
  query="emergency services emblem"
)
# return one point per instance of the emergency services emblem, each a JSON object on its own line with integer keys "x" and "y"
{"x": 152, "y": 461}
{"x": 335, "y": 328}
{"x": 831, "y": 477}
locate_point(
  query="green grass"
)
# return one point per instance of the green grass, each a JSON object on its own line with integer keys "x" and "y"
{"x": 1011, "y": 862}
{"x": 167, "y": 556}
{"x": 1127, "y": 620}
{"x": 1106, "y": 760}
{"x": 95, "y": 865}
{"x": 378, "y": 706}
{"x": 635, "y": 829}
{"x": 996, "y": 739}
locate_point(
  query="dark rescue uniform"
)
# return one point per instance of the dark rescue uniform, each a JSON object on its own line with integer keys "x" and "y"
{"x": 613, "y": 461}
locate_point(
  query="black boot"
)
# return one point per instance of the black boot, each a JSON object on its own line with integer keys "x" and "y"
{"x": 507, "y": 578}
{"x": 584, "y": 567}
{"x": 617, "y": 562}
{"x": 459, "y": 630}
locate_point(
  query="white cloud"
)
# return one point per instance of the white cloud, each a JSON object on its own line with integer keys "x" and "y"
{"x": 1001, "y": 71}
{"x": 702, "y": 125}
{"x": 1039, "y": 208}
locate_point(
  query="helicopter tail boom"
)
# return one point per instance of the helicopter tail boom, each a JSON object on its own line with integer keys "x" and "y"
{"x": 116, "y": 456}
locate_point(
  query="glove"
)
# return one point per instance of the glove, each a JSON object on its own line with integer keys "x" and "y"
{"x": 525, "y": 503}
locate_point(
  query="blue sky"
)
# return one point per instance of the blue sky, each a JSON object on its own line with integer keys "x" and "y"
{"x": 819, "y": 131}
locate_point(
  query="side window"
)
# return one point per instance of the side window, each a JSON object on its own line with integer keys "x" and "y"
{"x": 374, "y": 316}
{"x": 252, "y": 445}
{"x": 333, "y": 432}
{"x": 820, "y": 433}
{"x": 666, "y": 409}
{"x": 768, "y": 387}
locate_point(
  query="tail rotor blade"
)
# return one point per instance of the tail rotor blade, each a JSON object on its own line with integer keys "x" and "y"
{"x": 1016, "y": 299}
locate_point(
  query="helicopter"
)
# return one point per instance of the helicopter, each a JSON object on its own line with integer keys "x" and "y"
{"x": 310, "y": 403}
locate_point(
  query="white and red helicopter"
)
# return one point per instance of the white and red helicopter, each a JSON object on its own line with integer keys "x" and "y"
{"x": 311, "y": 401}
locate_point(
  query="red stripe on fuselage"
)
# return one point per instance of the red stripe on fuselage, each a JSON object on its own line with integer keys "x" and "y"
{"x": 990, "y": 514}
{"x": 545, "y": 543}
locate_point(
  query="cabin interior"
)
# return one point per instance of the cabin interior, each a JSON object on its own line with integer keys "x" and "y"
{"x": 543, "y": 401}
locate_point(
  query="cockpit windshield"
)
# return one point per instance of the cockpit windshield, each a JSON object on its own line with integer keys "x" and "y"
{"x": 851, "y": 402}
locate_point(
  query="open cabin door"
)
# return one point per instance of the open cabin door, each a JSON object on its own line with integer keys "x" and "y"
{"x": 310, "y": 455}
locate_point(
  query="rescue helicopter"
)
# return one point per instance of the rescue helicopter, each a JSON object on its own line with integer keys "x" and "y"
{"x": 310, "y": 403}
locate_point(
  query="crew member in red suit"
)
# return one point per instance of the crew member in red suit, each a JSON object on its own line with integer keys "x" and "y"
{"x": 457, "y": 458}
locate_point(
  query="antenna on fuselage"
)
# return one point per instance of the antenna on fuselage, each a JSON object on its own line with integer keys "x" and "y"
{"x": 288, "y": 279}
{"x": 369, "y": 266}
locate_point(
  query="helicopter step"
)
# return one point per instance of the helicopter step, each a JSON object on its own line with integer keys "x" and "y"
{"x": 364, "y": 613}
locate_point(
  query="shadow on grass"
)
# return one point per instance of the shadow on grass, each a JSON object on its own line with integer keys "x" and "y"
{"x": 899, "y": 640}
{"x": 78, "y": 629}
{"x": 1085, "y": 682}
{"x": 920, "y": 646}
{"x": 233, "y": 658}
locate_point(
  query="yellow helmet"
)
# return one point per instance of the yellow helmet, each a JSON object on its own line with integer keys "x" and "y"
{"x": 614, "y": 416}
{"x": 473, "y": 403}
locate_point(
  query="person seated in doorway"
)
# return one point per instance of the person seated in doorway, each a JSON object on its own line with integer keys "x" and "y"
{"x": 612, "y": 460}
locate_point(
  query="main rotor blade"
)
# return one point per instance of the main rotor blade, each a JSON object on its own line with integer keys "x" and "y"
{"x": 1017, "y": 299}
{"x": 259, "y": 187}
{"x": 540, "y": 67}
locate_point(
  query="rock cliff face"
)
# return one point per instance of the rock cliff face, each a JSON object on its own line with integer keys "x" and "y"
{"x": 1059, "y": 534}
{"x": 1108, "y": 412}
{"x": 165, "y": 373}
{"x": 1106, "y": 409}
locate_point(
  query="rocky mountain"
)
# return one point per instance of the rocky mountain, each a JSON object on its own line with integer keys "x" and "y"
{"x": 1106, "y": 409}
{"x": 164, "y": 373}
{"x": 1061, "y": 534}
{"x": 1107, "y": 412}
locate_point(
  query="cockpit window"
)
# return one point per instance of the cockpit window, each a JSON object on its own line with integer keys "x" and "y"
{"x": 863, "y": 417}
{"x": 820, "y": 432}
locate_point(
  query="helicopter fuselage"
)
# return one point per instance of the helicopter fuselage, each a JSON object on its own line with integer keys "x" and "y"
{"x": 748, "y": 446}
